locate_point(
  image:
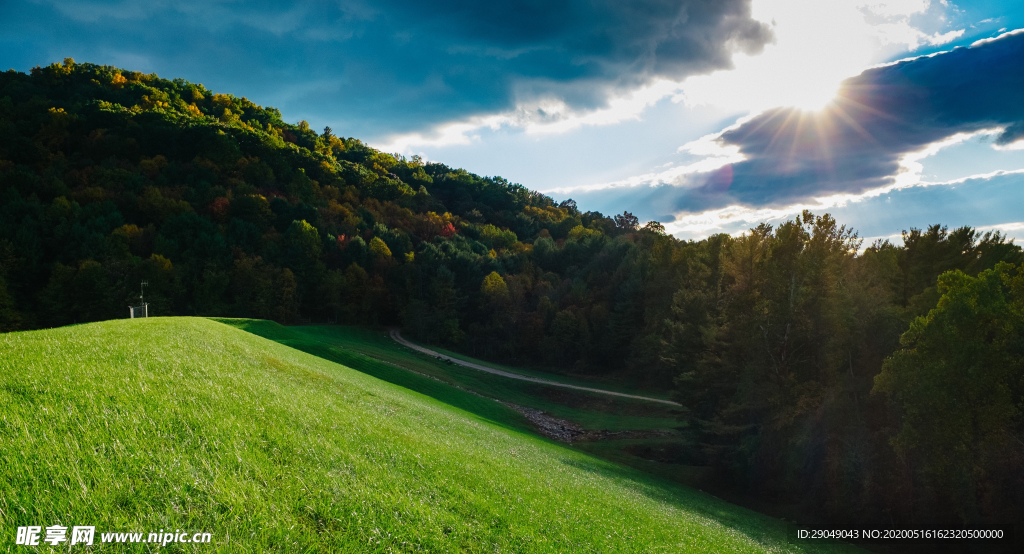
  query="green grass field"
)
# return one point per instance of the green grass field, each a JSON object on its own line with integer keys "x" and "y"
{"x": 188, "y": 423}
{"x": 343, "y": 344}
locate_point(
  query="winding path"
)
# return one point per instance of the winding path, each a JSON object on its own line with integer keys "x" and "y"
{"x": 397, "y": 336}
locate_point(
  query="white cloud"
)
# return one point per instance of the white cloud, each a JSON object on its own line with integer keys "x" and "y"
{"x": 738, "y": 218}
{"x": 911, "y": 168}
{"x": 623, "y": 108}
{"x": 1002, "y": 33}
{"x": 896, "y": 8}
{"x": 1011, "y": 226}
{"x": 945, "y": 38}
{"x": 715, "y": 156}
{"x": 1013, "y": 230}
{"x": 818, "y": 44}
{"x": 543, "y": 116}
{"x": 463, "y": 132}
{"x": 676, "y": 176}
{"x": 1016, "y": 145}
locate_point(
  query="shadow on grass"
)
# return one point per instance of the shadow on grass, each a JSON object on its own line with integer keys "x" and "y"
{"x": 761, "y": 529}
{"x": 482, "y": 407}
{"x": 765, "y": 530}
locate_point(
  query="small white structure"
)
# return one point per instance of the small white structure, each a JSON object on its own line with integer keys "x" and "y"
{"x": 142, "y": 310}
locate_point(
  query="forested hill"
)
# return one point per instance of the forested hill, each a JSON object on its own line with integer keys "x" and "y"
{"x": 783, "y": 344}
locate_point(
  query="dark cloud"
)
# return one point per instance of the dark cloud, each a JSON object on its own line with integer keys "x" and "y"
{"x": 855, "y": 143}
{"x": 396, "y": 65}
{"x": 986, "y": 201}
{"x": 1011, "y": 134}
{"x": 612, "y": 39}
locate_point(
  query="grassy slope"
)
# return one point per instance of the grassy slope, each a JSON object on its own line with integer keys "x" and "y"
{"x": 367, "y": 360}
{"x": 342, "y": 343}
{"x": 188, "y": 423}
{"x": 592, "y": 411}
{"x": 600, "y": 382}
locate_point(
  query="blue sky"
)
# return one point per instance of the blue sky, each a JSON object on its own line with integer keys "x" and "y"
{"x": 707, "y": 115}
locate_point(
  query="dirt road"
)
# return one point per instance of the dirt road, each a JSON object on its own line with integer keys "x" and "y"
{"x": 397, "y": 336}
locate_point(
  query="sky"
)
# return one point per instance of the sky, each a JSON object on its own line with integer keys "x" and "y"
{"x": 706, "y": 115}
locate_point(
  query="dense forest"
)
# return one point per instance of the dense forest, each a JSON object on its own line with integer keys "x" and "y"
{"x": 876, "y": 383}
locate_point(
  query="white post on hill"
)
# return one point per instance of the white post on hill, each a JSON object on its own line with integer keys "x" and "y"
{"x": 142, "y": 310}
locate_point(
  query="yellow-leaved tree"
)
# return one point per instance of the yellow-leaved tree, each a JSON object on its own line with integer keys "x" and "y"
{"x": 379, "y": 249}
{"x": 493, "y": 289}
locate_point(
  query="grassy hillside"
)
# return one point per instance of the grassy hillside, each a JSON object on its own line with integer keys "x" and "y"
{"x": 191, "y": 424}
{"x": 660, "y": 453}
{"x": 772, "y": 341}
{"x": 345, "y": 343}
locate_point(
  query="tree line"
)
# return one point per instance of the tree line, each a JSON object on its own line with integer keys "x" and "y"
{"x": 877, "y": 384}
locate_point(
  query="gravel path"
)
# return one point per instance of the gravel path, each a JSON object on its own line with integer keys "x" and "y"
{"x": 397, "y": 336}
